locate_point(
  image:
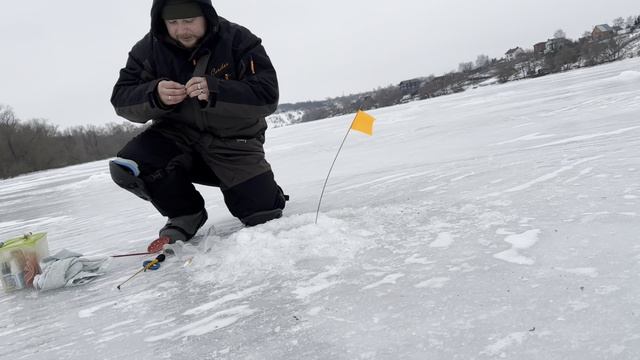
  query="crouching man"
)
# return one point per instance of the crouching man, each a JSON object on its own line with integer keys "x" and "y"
{"x": 208, "y": 85}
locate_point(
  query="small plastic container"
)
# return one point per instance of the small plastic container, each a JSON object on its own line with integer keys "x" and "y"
{"x": 20, "y": 260}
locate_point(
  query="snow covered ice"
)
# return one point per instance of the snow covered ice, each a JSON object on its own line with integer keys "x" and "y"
{"x": 502, "y": 222}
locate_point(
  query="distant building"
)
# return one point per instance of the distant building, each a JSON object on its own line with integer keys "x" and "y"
{"x": 601, "y": 32}
{"x": 410, "y": 86}
{"x": 513, "y": 54}
{"x": 553, "y": 45}
{"x": 539, "y": 48}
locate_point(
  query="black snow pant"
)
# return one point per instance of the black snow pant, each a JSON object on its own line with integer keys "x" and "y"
{"x": 169, "y": 173}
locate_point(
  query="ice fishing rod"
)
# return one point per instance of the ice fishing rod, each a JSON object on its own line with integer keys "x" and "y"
{"x": 132, "y": 254}
{"x": 146, "y": 266}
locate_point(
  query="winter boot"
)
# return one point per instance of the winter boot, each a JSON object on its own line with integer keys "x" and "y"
{"x": 184, "y": 227}
{"x": 181, "y": 228}
{"x": 261, "y": 217}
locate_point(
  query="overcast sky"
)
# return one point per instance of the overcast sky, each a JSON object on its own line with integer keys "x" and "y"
{"x": 60, "y": 59}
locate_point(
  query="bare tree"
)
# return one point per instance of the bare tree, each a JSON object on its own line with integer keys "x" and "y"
{"x": 618, "y": 22}
{"x": 602, "y": 51}
{"x": 612, "y": 50}
{"x": 482, "y": 61}
{"x": 559, "y": 34}
{"x": 505, "y": 71}
{"x": 7, "y": 118}
{"x": 387, "y": 96}
{"x": 631, "y": 20}
{"x": 527, "y": 64}
{"x": 563, "y": 58}
{"x": 465, "y": 67}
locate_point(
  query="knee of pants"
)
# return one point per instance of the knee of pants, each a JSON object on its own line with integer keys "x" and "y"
{"x": 260, "y": 193}
{"x": 125, "y": 174}
{"x": 152, "y": 151}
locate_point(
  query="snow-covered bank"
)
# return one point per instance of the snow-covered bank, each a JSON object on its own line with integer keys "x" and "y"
{"x": 497, "y": 223}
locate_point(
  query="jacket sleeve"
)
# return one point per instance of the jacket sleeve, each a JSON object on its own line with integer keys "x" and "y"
{"x": 254, "y": 94}
{"x": 134, "y": 95}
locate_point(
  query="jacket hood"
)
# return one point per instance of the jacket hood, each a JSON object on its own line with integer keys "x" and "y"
{"x": 157, "y": 23}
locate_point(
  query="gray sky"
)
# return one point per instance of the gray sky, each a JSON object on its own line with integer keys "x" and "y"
{"x": 60, "y": 59}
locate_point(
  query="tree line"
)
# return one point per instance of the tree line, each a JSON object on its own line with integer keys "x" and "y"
{"x": 34, "y": 145}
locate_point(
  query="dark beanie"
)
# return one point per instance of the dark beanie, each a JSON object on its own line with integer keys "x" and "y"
{"x": 181, "y": 9}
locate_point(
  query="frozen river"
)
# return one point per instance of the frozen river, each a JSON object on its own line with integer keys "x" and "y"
{"x": 502, "y": 222}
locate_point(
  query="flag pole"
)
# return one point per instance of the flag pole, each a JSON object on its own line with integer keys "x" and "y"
{"x": 330, "y": 169}
{"x": 336, "y": 158}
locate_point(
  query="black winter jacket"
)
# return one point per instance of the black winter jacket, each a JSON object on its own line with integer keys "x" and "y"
{"x": 228, "y": 130}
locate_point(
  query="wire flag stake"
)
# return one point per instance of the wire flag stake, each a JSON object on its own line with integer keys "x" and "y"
{"x": 362, "y": 122}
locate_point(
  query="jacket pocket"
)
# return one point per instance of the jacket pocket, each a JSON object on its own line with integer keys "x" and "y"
{"x": 235, "y": 160}
{"x": 238, "y": 147}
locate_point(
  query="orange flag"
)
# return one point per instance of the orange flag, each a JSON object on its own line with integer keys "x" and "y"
{"x": 363, "y": 122}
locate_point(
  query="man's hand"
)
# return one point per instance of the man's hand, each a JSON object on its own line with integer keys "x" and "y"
{"x": 171, "y": 93}
{"x": 197, "y": 87}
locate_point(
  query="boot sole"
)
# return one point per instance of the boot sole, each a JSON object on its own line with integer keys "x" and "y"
{"x": 262, "y": 217}
{"x": 158, "y": 244}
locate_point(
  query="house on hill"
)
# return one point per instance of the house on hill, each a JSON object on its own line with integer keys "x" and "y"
{"x": 539, "y": 48}
{"x": 513, "y": 54}
{"x": 601, "y": 32}
{"x": 553, "y": 45}
{"x": 410, "y": 87}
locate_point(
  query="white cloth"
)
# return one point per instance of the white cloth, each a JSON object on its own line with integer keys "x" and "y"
{"x": 67, "y": 268}
{"x": 193, "y": 247}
